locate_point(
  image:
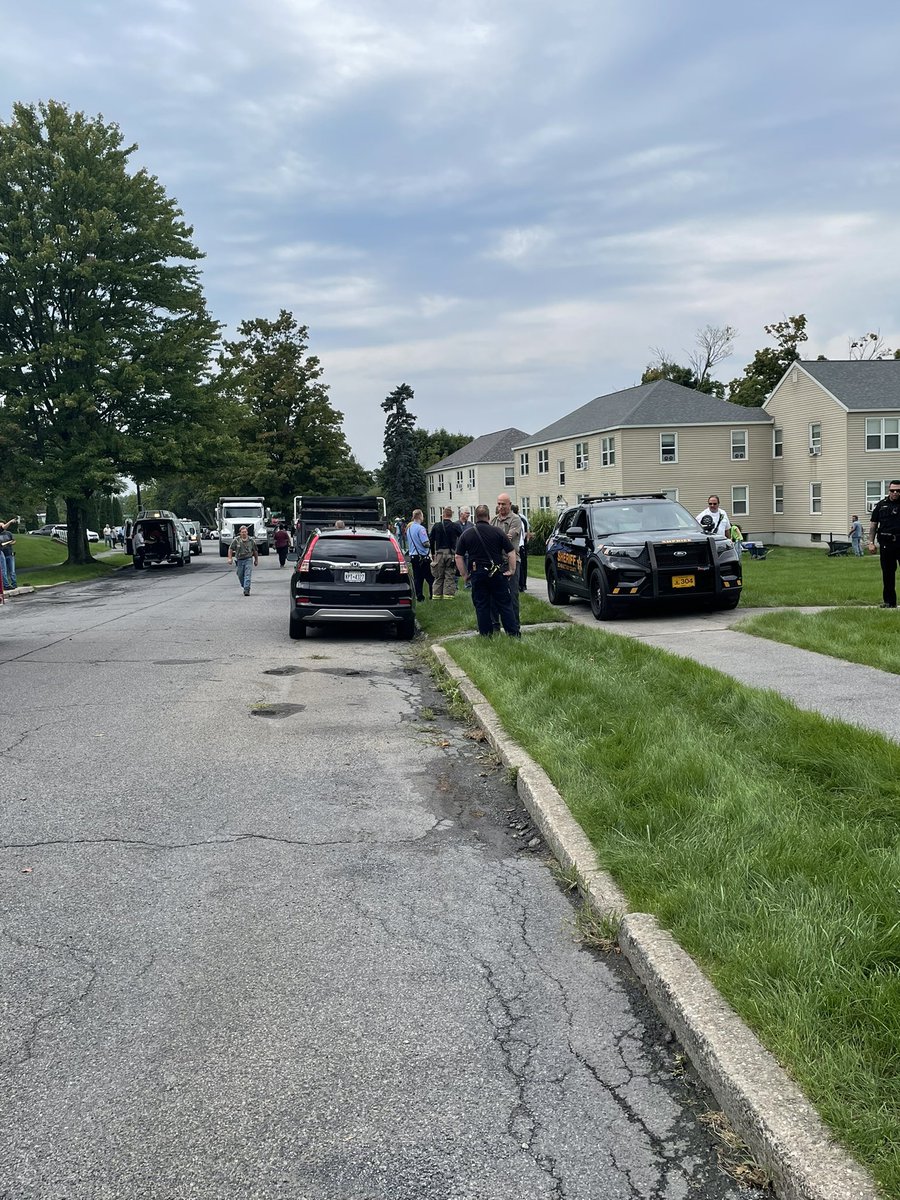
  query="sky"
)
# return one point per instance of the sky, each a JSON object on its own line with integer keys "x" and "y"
{"x": 510, "y": 205}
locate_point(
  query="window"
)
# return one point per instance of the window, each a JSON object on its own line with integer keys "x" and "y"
{"x": 607, "y": 452}
{"x": 740, "y": 501}
{"x": 440, "y": 486}
{"x": 815, "y": 498}
{"x": 778, "y": 443}
{"x": 525, "y": 506}
{"x": 581, "y": 456}
{"x": 543, "y": 462}
{"x": 472, "y": 478}
{"x": 431, "y": 483}
{"x": 509, "y": 475}
{"x": 581, "y": 497}
{"x": 544, "y": 503}
{"x": 561, "y": 472}
{"x": 882, "y": 433}
{"x": 671, "y": 493}
{"x": 815, "y": 437}
{"x": 778, "y": 498}
{"x": 433, "y": 517}
{"x": 523, "y": 463}
{"x": 668, "y": 447}
{"x": 875, "y": 490}
{"x": 459, "y": 479}
{"x": 738, "y": 444}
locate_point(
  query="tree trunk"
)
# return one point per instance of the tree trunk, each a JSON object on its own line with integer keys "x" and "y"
{"x": 76, "y": 533}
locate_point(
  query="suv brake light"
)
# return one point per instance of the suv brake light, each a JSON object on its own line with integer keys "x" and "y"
{"x": 303, "y": 563}
{"x": 404, "y": 565}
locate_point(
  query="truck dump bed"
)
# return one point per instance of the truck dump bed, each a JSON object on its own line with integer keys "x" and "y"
{"x": 323, "y": 512}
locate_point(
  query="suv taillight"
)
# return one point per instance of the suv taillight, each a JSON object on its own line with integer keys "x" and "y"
{"x": 404, "y": 566}
{"x": 303, "y": 563}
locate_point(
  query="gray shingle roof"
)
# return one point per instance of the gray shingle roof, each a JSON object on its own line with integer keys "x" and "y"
{"x": 489, "y": 448}
{"x": 860, "y": 385}
{"x": 659, "y": 403}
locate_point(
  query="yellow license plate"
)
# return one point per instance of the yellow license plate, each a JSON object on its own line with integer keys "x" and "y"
{"x": 682, "y": 581}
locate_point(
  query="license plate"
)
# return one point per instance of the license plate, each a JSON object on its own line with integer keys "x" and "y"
{"x": 684, "y": 581}
{"x": 354, "y": 577}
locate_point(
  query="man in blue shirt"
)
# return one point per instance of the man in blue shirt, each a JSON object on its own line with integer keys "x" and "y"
{"x": 419, "y": 553}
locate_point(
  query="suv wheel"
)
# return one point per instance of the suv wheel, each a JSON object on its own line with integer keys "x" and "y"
{"x": 601, "y": 605}
{"x": 406, "y": 629}
{"x": 297, "y": 628}
{"x": 555, "y": 592}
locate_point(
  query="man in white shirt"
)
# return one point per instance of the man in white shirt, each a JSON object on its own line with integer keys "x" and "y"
{"x": 721, "y": 526}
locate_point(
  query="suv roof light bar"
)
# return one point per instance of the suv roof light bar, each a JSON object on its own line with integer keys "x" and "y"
{"x": 629, "y": 496}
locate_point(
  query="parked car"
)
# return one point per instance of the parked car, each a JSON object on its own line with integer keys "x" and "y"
{"x": 352, "y": 575}
{"x": 623, "y": 552}
{"x": 59, "y": 532}
{"x": 193, "y": 532}
{"x": 44, "y": 531}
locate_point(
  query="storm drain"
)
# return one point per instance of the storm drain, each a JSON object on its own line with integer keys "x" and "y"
{"x": 276, "y": 710}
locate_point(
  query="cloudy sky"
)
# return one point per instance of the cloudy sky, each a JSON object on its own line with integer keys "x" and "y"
{"x": 506, "y": 204}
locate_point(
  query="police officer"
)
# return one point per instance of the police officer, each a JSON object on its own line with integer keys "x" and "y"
{"x": 486, "y": 555}
{"x": 885, "y": 525}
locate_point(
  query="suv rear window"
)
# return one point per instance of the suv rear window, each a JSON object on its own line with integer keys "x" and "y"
{"x": 353, "y": 549}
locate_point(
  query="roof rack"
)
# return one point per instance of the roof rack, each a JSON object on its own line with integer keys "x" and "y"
{"x": 629, "y": 496}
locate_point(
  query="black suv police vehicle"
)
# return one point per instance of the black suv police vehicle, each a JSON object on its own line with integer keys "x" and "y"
{"x": 355, "y": 575}
{"x": 621, "y": 551}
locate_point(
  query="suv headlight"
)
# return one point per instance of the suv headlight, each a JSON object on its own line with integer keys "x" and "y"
{"x": 723, "y": 547}
{"x": 622, "y": 551}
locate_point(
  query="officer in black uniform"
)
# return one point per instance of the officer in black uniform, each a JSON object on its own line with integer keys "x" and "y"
{"x": 491, "y": 561}
{"x": 885, "y": 525}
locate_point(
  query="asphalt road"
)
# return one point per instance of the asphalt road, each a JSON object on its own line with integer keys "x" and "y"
{"x": 300, "y": 955}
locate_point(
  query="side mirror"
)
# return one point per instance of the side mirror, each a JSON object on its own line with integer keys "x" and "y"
{"x": 574, "y": 531}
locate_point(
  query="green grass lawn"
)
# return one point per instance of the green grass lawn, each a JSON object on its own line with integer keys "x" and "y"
{"x": 765, "y": 838}
{"x": 440, "y": 617}
{"x": 39, "y": 561}
{"x": 793, "y": 576}
{"x": 868, "y": 636}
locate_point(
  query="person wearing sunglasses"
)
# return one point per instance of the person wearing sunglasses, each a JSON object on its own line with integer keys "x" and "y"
{"x": 885, "y": 526}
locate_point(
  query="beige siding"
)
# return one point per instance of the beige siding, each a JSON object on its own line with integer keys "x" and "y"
{"x": 865, "y": 464}
{"x": 592, "y": 480}
{"x": 490, "y": 481}
{"x": 795, "y": 404}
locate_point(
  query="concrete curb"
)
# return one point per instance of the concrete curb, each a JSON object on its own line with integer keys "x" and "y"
{"x": 767, "y": 1109}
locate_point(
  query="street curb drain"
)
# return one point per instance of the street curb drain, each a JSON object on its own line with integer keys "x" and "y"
{"x": 768, "y": 1110}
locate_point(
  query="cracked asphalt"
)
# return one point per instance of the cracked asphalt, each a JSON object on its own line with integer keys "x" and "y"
{"x": 314, "y": 954}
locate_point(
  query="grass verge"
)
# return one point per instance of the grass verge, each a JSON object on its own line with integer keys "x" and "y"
{"x": 795, "y": 576}
{"x": 40, "y": 561}
{"x": 765, "y": 838}
{"x": 871, "y": 637}
{"x": 441, "y": 617}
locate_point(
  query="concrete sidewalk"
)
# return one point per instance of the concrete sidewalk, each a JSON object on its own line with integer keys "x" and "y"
{"x": 846, "y": 691}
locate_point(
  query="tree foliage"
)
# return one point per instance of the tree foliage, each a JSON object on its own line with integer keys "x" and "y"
{"x": 104, "y": 335}
{"x": 768, "y": 365}
{"x": 870, "y": 346}
{"x": 434, "y": 444}
{"x": 401, "y": 477}
{"x": 292, "y": 441}
{"x": 712, "y": 345}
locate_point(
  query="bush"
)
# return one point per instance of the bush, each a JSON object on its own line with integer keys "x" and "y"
{"x": 541, "y": 524}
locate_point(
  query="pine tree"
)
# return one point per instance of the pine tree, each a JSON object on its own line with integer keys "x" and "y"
{"x": 401, "y": 475}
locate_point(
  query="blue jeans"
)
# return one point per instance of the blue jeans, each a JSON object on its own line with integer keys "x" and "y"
{"x": 244, "y": 568}
{"x": 9, "y": 570}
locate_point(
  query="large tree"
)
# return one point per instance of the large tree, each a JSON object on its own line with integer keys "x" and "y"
{"x": 769, "y": 364}
{"x": 292, "y": 436}
{"x": 712, "y": 345}
{"x": 434, "y": 444}
{"x": 401, "y": 476}
{"x": 104, "y": 335}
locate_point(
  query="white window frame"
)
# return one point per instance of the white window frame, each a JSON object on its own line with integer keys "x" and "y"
{"x": 777, "y": 443}
{"x": 607, "y": 452}
{"x": 740, "y": 508}
{"x": 815, "y": 437}
{"x": 582, "y": 456}
{"x": 525, "y": 506}
{"x": 778, "y": 499}
{"x": 671, "y": 452}
{"x": 544, "y": 503}
{"x": 459, "y": 481}
{"x": 472, "y": 479}
{"x": 509, "y": 474}
{"x": 543, "y": 463}
{"x": 739, "y": 452}
{"x": 561, "y": 472}
{"x": 871, "y": 485}
{"x": 815, "y": 498}
{"x": 433, "y": 517}
{"x": 524, "y": 464}
{"x": 431, "y": 483}
{"x": 440, "y": 485}
{"x": 882, "y": 434}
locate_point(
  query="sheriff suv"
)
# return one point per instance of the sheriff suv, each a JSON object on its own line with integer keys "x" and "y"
{"x": 620, "y": 552}
{"x": 352, "y": 575}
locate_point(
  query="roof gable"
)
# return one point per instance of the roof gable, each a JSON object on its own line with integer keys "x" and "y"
{"x": 856, "y": 385}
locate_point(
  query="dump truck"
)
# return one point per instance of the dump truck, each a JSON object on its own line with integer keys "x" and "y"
{"x": 324, "y": 512}
{"x": 234, "y": 511}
